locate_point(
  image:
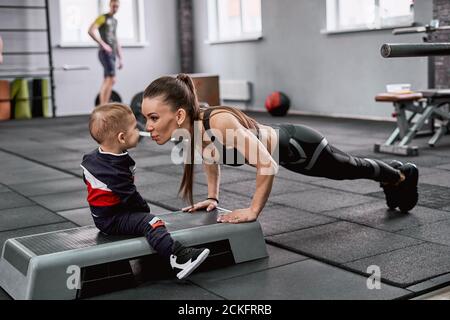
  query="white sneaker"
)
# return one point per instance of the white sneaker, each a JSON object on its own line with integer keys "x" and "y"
{"x": 186, "y": 259}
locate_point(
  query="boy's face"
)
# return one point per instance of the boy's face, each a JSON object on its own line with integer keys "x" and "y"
{"x": 131, "y": 135}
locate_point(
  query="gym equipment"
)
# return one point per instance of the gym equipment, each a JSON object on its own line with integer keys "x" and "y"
{"x": 115, "y": 97}
{"x": 420, "y": 49}
{"x": 20, "y": 96}
{"x": 430, "y": 105}
{"x": 39, "y": 90}
{"x": 43, "y": 266}
{"x": 277, "y": 104}
{"x": 40, "y": 101}
{"x": 136, "y": 107}
{"x": 5, "y": 103}
{"x": 415, "y": 50}
{"x": 65, "y": 67}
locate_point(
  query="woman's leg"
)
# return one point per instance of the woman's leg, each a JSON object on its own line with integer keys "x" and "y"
{"x": 305, "y": 151}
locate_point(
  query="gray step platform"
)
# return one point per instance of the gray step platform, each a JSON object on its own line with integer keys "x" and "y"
{"x": 36, "y": 267}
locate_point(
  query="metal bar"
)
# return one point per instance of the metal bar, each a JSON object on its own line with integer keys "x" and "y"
{"x": 412, "y": 132}
{"x": 29, "y": 53}
{"x": 409, "y": 30}
{"x": 50, "y": 59}
{"x": 23, "y": 99}
{"x": 23, "y": 30}
{"x": 21, "y": 7}
{"x": 397, "y": 50}
{"x": 13, "y": 76}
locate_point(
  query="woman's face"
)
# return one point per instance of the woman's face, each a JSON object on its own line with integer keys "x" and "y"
{"x": 161, "y": 120}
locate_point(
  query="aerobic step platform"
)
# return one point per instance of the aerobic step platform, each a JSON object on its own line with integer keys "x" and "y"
{"x": 39, "y": 266}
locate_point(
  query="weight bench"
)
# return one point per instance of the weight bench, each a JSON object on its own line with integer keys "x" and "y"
{"x": 428, "y": 105}
{"x": 39, "y": 266}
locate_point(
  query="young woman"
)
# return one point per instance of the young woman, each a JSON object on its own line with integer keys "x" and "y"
{"x": 171, "y": 104}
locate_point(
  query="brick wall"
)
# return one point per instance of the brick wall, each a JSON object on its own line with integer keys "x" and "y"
{"x": 441, "y": 11}
{"x": 186, "y": 35}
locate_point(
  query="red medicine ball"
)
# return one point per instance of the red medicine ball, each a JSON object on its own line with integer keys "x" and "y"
{"x": 277, "y": 103}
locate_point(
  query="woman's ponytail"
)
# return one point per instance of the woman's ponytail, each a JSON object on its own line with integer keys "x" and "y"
{"x": 186, "y": 187}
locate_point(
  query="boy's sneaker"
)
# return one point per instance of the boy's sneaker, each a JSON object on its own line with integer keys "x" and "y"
{"x": 407, "y": 189}
{"x": 186, "y": 259}
{"x": 390, "y": 190}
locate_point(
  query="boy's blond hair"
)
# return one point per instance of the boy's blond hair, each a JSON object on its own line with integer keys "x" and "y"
{"x": 108, "y": 120}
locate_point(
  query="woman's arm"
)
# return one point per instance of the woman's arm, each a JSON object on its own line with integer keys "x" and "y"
{"x": 257, "y": 155}
{"x": 213, "y": 178}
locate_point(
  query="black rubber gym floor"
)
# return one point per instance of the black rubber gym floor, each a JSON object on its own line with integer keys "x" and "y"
{"x": 322, "y": 235}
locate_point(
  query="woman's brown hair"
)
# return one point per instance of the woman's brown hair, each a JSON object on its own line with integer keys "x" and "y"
{"x": 180, "y": 92}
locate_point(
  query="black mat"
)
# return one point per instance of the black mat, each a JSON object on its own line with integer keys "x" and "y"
{"x": 63, "y": 201}
{"x": 279, "y": 219}
{"x": 377, "y": 215}
{"x": 277, "y": 257}
{"x": 162, "y": 290}
{"x": 342, "y": 242}
{"x": 430, "y": 196}
{"x": 362, "y": 227}
{"x": 320, "y": 199}
{"x": 280, "y": 186}
{"x": 11, "y": 199}
{"x": 305, "y": 280}
{"x": 50, "y": 187}
{"x": 434, "y": 232}
{"x": 24, "y": 217}
{"x": 410, "y": 265}
{"x": 30, "y": 175}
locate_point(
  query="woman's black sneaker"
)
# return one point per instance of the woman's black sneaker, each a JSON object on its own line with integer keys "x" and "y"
{"x": 390, "y": 190}
{"x": 408, "y": 195}
{"x": 185, "y": 260}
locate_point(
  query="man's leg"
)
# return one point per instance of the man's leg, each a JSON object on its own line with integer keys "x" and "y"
{"x": 103, "y": 90}
{"x": 109, "y": 88}
{"x": 108, "y": 62}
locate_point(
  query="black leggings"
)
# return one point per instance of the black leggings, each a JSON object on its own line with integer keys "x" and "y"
{"x": 306, "y": 151}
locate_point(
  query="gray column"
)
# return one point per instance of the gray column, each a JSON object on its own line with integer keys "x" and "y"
{"x": 186, "y": 35}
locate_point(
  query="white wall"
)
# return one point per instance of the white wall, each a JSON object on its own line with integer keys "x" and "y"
{"x": 76, "y": 90}
{"x": 324, "y": 74}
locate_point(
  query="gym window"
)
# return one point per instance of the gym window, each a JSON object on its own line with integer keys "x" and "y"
{"x": 234, "y": 20}
{"x": 76, "y": 16}
{"x": 360, "y": 15}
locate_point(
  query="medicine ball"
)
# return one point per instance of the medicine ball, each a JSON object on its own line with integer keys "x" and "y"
{"x": 277, "y": 103}
{"x": 115, "y": 97}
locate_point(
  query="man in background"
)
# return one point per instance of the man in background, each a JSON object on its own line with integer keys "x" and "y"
{"x": 104, "y": 31}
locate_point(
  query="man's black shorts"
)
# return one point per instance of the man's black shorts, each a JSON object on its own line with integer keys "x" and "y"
{"x": 108, "y": 61}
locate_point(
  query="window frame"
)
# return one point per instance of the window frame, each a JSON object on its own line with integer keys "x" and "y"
{"x": 214, "y": 36}
{"x": 379, "y": 24}
{"x": 141, "y": 39}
